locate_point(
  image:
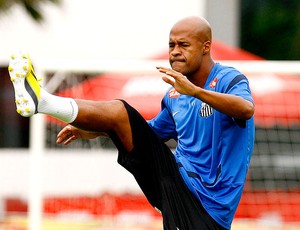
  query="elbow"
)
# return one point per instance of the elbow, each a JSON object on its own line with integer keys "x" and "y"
{"x": 248, "y": 111}
{"x": 249, "y": 114}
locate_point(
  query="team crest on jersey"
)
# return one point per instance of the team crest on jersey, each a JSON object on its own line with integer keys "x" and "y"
{"x": 206, "y": 110}
{"x": 173, "y": 93}
{"x": 213, "y": 83}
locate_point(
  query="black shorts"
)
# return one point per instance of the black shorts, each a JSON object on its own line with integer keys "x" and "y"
{"x": 154, "y": 167}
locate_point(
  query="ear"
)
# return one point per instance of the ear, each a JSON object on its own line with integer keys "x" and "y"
{"x": 206, "y": 47}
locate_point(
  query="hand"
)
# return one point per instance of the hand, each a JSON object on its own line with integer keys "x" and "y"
{"x": 70, "y": 133}
{"x": 178, "y": 81}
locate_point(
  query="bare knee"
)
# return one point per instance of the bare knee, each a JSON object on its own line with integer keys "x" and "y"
{"x": 122, "y": 126}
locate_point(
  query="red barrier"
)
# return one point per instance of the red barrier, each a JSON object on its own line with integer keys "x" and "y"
{"x": 253, "y": 205}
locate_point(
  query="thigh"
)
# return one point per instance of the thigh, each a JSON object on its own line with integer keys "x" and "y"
{"x": 156, "y": 171}
{"x": 181, "y": 209}
{"x": 149, "y": 161}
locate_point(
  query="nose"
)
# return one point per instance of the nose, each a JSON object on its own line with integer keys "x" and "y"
{"x": 174, "y": 51}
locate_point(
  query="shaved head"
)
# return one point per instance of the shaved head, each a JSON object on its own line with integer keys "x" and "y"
{"x": 189, "y": 48}
{"x": 198, "y": 26}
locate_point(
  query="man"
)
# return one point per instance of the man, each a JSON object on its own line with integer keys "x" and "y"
{"x": 208, "y": 110}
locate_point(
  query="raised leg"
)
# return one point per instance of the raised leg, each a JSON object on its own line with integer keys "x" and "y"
{"x": 105, "y": 116}
{"x": 98, "y": 116}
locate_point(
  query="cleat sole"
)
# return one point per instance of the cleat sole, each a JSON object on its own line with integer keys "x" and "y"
{"x": 26, "y": 90}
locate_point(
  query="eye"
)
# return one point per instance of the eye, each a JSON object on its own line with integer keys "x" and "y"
{"x": 171, "y": 44}
{"x": 184, "y": 44}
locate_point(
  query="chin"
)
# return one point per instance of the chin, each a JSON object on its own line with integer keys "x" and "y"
{"x": 178, "y": 68}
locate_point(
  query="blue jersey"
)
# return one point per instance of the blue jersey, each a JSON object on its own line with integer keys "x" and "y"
{"x": 213, "y": 151}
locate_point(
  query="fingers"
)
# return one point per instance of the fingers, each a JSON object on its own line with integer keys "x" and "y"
{"x": 169, "y": 80}
{"x": 69, "y": 140}
{"x": 169, "y": 76}
{"x": 165, "y": 70}
{"x": 170, "y": 72}
{"x": 66, "y": 135}
{"x": 66, "y": 140}
{"x": 64, "y": 130}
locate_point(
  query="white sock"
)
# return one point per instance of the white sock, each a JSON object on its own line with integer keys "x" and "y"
{"x": 62, "y": 108}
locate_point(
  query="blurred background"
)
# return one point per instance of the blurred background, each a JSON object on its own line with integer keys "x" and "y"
{"x": 109, "y": 49}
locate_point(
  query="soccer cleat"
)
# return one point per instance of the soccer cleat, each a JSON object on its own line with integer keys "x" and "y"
{"x": 26, "y": 85}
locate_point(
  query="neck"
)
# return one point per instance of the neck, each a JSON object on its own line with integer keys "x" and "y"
{"x": 201, "y": 76}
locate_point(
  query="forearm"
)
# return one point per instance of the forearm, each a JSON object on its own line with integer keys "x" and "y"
{"x": 231, "y": 105}
{"x": 92, "y": 135}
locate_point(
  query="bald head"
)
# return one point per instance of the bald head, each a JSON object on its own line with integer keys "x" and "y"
{"x": 196, "y": 26}
{"x": 189, "y": 48}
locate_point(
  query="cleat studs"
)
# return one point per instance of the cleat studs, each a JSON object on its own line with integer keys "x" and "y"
{"x": 20, "y": 68}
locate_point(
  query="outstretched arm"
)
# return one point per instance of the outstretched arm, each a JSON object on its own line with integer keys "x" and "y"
{"x": 231, "y": 105}
{"x": 70, "y": 133}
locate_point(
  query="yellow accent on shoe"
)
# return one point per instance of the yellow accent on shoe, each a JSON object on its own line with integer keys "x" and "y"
{"x": 33, "y": 82}
{"x": 26, "y": 85}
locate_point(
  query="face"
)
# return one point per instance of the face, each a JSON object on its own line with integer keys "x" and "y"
{"x": 185, "y": 51}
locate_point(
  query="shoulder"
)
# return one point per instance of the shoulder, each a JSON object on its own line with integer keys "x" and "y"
{"x": 226, "y": 71}
{"x": 229, "y": 76}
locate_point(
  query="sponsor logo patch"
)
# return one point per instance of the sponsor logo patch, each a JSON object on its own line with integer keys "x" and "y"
{"x": 173, "y": 93}
{"x": 213, "y": 83}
